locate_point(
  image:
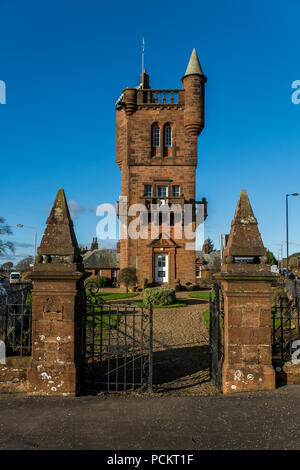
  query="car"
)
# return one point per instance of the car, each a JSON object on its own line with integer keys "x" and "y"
{"x": 15, "y": 278}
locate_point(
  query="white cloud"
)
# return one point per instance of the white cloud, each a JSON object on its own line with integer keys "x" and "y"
{"x": 75, "y": 208}
{"x": 23, "y": 245}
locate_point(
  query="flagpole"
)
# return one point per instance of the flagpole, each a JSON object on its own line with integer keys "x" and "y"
{"x": 143, "y": 52}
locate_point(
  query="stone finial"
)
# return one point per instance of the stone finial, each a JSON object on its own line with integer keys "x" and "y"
{"x": 244, "y": 238}
{"x": 59, "y": 237}
{"x": 194, "y": 66}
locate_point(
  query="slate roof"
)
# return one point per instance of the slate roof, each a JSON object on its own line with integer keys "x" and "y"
{"x": 102, "y": 259}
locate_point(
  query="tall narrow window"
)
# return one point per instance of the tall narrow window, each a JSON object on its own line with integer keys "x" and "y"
{"x": 156, "y": 136}
{"x": 162, "y": 191}
{"x": 148, "y": 190}
{"x": 176, "y": 191}
{"x": 168, "y": 136}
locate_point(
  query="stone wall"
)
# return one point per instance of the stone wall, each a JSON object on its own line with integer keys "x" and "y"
{"x": 13, "y": 375}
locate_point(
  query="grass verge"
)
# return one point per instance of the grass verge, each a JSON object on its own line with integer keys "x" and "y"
{"x": 206, "y": 317}
{"x": 115, "y": 295}
{"x": 203, "y": 295}
{"x": 106, "y": 318}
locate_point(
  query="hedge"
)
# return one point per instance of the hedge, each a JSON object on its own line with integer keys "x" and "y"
{"x": 159, "y": 296}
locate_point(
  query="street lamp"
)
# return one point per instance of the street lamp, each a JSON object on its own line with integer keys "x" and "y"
{"x": 33, "y": 228}
{"x": 287, "y": 227}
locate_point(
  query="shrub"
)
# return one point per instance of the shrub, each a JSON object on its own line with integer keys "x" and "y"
{"x": 205, "y": 283}
{"x": 278, "y": 294}
{"x": 159, "y": 296}
{"x": 193, "y": 287}
{"x": 128, "y": 277}
{"x": 97, "y": 282}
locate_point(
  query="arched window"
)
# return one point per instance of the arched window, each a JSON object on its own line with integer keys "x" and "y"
{"x": 155, "y": 136}
{"x": 168, "y": 136}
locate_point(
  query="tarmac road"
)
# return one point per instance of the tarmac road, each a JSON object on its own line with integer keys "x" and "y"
{"x": 261, "y": 420}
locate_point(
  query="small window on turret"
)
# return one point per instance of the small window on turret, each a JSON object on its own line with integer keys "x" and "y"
{"x": 156, "y": 136}
{"x": 168, "y": 136}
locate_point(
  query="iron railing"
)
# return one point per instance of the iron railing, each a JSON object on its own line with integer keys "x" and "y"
{"x": 118, "y": 347}
{"x": 16, "y": 322}
{"x": 285, "y": 330}
{"x": 216, "y": 322}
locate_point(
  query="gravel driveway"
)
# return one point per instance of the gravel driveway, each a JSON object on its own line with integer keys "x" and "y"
{"x": 181, "y": 349}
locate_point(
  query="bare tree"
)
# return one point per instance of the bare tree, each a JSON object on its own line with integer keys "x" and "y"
{"x": 6, "y": 267}
{"x": 24, "y": 264}
{"x": 4, "y": 244}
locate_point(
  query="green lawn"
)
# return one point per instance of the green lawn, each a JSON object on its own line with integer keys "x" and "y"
{"x": 105, "y": 312}
{"x": 206, "y": 317}
{"x": 200, "y": 294}
{"x": 105, "y": 319}
{"x": 181, "y": 303}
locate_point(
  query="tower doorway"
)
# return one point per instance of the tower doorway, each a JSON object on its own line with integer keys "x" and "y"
{"x": 161, "y": 268}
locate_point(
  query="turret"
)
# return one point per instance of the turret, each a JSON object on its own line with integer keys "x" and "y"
{"x": 193, "y": 83}
{"x": 129, "y": 99}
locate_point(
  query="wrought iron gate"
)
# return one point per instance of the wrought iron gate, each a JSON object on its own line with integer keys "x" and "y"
{"x": 285, "y": 330}
{"x": 15, "y": 321}
{"x": 118, "y": 346}
{"x": 215, "y": 336}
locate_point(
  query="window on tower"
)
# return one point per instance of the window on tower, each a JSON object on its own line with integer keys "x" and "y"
{"x": 148, "y": 190}
{"x": 162, "y": 191}
{"x": 176, "y": 191}
{"x": 155, "y": 136}
{"x": 168, "y": 136}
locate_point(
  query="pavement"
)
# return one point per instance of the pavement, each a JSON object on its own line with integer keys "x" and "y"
{"x": 260, "y": 420}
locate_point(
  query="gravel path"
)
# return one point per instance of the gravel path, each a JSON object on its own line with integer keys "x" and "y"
{"x": 181, "y": 350}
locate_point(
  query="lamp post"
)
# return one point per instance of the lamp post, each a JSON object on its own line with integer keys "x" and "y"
{"x": 34, "y": 244}
{"x": 287, "y": 226}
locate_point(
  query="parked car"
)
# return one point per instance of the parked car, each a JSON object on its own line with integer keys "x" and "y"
{"x": 15, "y": 278}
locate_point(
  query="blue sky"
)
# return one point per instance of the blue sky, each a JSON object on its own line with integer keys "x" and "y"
{"x": 65, "y": 64}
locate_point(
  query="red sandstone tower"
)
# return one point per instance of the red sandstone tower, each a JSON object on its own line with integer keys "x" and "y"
{"x": 156, "y": 149}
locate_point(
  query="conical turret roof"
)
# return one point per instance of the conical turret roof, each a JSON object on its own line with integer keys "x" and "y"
{"x": 194, "y": 66}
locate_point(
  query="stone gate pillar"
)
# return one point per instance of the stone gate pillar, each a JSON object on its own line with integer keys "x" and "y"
{"x": 58, "y": 302}
{"x": 246, "y": 287}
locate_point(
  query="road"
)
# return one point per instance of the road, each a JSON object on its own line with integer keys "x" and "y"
{"x": 260, "y": 420}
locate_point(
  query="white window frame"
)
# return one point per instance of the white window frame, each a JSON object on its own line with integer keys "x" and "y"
{"x": 176, "y": 186}
{"x": 156, "y": 136}
{"x": 151, "y": 190}
{"x": 168, "y": 137}
{"x": 162, "y": 195}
